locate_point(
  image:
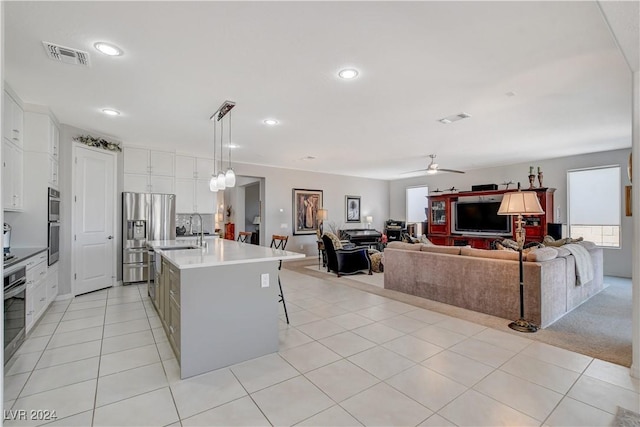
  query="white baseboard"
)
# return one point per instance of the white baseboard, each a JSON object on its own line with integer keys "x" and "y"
{"x": 63, "y": 297}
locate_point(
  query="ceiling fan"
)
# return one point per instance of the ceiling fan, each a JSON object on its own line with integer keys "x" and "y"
{"x": 433, "y": 167}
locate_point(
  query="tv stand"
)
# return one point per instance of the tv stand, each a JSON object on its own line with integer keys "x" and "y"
{"x": 440, "y": 215}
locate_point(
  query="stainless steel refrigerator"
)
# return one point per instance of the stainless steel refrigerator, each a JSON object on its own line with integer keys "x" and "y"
{"x": 145, "y": 217}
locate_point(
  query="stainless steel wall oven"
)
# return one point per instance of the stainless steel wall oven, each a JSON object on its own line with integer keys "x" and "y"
{"x": 53, "y": 241}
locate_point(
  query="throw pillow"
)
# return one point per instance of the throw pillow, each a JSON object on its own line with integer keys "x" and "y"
{"x": 376, "y": 262}
{"x": 550, "y": 241}
{"x": 337, "y": 244}
{"x": 542, "y": 254}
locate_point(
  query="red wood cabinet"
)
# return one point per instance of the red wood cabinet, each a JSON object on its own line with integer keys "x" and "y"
{"x": 439, "y": 229}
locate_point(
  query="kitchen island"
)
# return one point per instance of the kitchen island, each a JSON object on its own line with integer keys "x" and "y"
{"x": 219, "y": 303}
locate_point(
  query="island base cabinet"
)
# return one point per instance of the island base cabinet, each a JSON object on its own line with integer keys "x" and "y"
{"x": 221, "y": 315}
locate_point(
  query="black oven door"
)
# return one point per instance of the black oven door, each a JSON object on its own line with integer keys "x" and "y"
{"x": 54, "y": 242}
{"x": 14, "y": 314}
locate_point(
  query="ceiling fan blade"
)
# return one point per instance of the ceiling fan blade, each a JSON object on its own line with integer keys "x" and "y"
{"x": 417, "y": 170}
{"x": 449, "y": 170}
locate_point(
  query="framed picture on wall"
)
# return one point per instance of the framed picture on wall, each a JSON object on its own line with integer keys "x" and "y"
{"x": 352, "y": 207}
{"x": 305, "y": 210}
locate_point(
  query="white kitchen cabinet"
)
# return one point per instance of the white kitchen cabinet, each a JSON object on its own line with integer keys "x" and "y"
{"x": 185, "y": 167}
{"x": 13, "y": 120}
{"x": 41, "y": 135}
{"x": 185, "y": 195}
{"x": 136, "y": 160}
{"x": 161, "y": 184}
{"x": 12, "y": 179}
{"x": 52, "y": 283}
{"x": 148, "y": 171}
{"x": 161, "y": 163}
{"x": 205, "y": 199}
{"x": 204, "y": 168}
{"x": 36, "y": 293}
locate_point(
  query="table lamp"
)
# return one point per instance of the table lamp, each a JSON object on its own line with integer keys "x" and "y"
{"x": 521, "y": 203}
{"x": 369, "y": 220}
{"x": 322, "y": 215}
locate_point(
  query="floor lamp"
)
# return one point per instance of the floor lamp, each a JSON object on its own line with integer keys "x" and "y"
{"x": 521, "y": 203}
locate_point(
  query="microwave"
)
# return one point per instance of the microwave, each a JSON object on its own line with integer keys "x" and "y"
{"x": 54, "y": 205}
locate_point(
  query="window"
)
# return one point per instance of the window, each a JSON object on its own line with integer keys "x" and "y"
{"x": 594, "y": 205}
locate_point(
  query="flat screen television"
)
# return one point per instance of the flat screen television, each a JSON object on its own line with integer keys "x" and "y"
{"x": 479, "y": 216}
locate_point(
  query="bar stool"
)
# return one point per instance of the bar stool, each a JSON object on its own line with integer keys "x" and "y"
{"x": 244, "y": 236}
{"x": 280, "y": 242}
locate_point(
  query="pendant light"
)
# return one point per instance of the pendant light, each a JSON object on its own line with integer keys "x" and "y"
{"x": 230, "y": 175}
{"x": 213, "y": 182}
{"x": 220, "y": 179}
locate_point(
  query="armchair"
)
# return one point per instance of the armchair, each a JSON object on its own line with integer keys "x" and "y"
{"x": 346, "y": 261}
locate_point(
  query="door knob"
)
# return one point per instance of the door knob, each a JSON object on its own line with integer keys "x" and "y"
{"x": 110, "y": 237}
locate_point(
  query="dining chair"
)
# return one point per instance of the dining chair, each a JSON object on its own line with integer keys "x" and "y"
{"x": 280, "y": 242}
{"x": 244, "y": 236}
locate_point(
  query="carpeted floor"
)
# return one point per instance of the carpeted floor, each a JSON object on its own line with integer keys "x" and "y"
{"x": 600, "y": 327}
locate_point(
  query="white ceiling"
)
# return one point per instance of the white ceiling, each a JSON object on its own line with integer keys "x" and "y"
{"x": 418, "y": 62}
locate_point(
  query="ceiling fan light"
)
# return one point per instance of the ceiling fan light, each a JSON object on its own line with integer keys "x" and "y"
{"x": 230, "y": 178}
{"x": 213, "y": 184}
{"x": 432, "y": 171}
{"x": 221, "y": 181}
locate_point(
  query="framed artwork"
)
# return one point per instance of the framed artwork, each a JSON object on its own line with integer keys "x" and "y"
{"x": 305, "y": 210}
{"x": 627, "y": 200}
{"x": 352, "y": 206}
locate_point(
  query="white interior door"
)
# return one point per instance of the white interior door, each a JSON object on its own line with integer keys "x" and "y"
{"x": 94, "y": 233}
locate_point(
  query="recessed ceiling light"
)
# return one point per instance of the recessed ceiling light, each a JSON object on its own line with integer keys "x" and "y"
{"x": 348, "y": 73}
{"x": 270, "y": 122}
{"x": 233, "y": 145}
{"x": 111, "y": 112}
{"x": 108, "y": 49}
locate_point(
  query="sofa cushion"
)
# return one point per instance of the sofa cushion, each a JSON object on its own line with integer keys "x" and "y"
{"x": 483, "y": 253}
{"x": 450, "y": 250}
{"x": 403, "y": 245}
{"x": 542, "y": 254}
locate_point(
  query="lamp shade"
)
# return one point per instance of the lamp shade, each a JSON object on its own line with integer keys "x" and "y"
{"x": 323, "y": 214}
{"x": 221, "y": 181}
{"x": 520, "y": 203}
{"x": 230, "y": 178}
{"x": 256, "y": 220}
{"x": 213, "y": 184}
{"x": 368, "y": 219}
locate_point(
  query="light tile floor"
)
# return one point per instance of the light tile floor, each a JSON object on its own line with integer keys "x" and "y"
{"x": 348, "y": 358}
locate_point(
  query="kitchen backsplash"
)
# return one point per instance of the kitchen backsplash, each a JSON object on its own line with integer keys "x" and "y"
{"x": 182, "y": 220}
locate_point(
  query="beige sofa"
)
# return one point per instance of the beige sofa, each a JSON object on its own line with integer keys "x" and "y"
{"x": 488, "y": 281}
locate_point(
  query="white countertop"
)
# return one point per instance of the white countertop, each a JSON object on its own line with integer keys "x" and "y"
{"x": 219, "y": 252}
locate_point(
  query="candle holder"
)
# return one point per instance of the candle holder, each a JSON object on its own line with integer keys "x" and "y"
{"x": 532, "y": 179}
{"x": 540, "y": 176}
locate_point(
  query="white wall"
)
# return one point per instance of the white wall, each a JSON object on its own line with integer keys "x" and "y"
{"x": 279, "y": 185}
{"x": 617, "y": 262}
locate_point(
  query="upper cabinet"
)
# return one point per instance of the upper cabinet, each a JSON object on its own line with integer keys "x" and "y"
{"x": 41, "y": 135}
{"x": 12, "y": 121}
{"x": 148, "y": 170}
{"x": 188, "y": 167}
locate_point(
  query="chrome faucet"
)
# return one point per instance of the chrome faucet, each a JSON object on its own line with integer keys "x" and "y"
{"x": 201, "y": 236}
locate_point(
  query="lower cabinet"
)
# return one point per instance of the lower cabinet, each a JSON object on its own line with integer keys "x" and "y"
{"x": 36, "y": 293}
{"x": 169, "y": 304}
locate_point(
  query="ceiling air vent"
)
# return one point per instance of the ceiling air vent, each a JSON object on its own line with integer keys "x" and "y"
{"x": 66, "y": 54}
{"x": 454, "y": 118}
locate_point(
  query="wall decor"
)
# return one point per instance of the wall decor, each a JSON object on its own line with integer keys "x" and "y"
{"x": 627, "y": 200}
{"x": 305, "y": 210}
{"x": 352, "y": 206}
{"x": 92, "y": 141}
